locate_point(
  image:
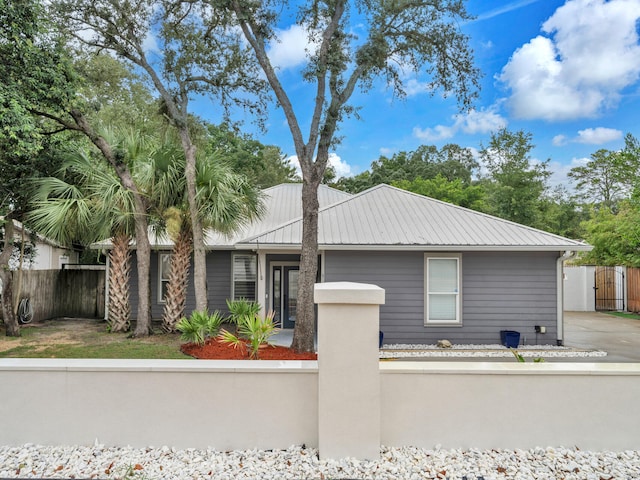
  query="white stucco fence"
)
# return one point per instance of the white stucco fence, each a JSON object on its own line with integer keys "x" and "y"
{"x": 275, "y": 404}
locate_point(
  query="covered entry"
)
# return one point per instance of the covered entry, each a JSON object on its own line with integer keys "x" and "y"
{"x": 284, "y": 292}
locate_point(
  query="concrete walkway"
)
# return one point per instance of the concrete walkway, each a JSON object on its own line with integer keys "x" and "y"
{"x": 619, "y": 337}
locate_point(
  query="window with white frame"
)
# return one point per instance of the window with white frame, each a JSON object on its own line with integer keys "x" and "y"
{"x": 245, "y": 267}
{"x": 442, "y": 290}
{"x": 164, "y": 264}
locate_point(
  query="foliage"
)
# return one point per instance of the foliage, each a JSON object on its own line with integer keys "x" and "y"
{"x": 253, "y": 331}
{"x": 609, "y": 176}
{"x": 562, "y": 214}
{"x": 200, "y": 326}
{"x": 398, "y": 39}
{"x": 601, "y": 180}
{"x": 202, "y": 55}
{"x": 451, "y": 162}
{"x": 615, "y": 237}
{"x": 241, "y": 308}
{"x": 451, "y": 191}
{"x": 264, "y": 165}
{"x": 517, "y": 183}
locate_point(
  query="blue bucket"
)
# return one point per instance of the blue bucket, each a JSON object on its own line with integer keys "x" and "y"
{"x": 510, "y": 338}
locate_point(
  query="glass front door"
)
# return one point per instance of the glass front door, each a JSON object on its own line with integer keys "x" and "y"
{"x": 284, "y": 283}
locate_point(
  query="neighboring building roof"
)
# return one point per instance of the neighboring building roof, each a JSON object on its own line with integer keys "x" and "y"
{"x": 386, "y": 217}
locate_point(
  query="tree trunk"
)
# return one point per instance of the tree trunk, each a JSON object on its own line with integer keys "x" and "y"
{"x": 304, "y": 332}
{"x": 10, "y": 319}
{"x": 143, "y": 256}
{"x": 199, "y": 250}
{"x": 143, "y": 319}
{"x": 176, "y": 297}
{"x": 119, "y": 271}
{"x": 20, "y": 265}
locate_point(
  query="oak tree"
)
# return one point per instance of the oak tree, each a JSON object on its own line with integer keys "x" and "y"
{"x": 398, "y": 37}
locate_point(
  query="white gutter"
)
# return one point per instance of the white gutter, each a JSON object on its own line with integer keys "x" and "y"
{"x": 560, "y": 294}
{"x": 421, "y": 248}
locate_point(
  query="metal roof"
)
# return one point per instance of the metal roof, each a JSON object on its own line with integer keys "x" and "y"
{"x": 283, "y": 203}
{"x": 386, "y": 217}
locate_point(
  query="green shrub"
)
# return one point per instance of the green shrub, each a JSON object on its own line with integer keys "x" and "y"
{"x": 242, "y": 308}
{"x": 253, "y": 330}
{"x": 199, "y": 326}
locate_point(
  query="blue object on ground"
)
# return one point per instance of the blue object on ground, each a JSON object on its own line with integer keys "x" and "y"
{"x": 510, "y": 338}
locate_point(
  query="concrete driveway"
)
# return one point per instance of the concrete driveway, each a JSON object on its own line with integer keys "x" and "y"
{"x": 619, "y": 337}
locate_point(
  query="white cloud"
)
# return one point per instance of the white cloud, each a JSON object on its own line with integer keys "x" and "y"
{"x": 598, "y": 136}
{"x": 342, "y": 168}
{"x": 559, "y": 172}
{"x": 483, "y": 121}
{"x": 559, "y": 140}
{"x": 589, "y": 136}
{"x": 413, "y": 87}
{"x": 439, "y": 132}
{"x": 386, "y": 151}
{"x": 150, "y": 44}
{"x": 505, "y": 9}
{"x": 295, "y": 163}
{"x": 291, "y": 47}
{"x": 590, "y": 54}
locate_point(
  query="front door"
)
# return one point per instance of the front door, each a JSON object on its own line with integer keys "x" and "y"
{"x": 284, "y": 283}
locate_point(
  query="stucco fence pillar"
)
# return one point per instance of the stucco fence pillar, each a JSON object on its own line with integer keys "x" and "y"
{"x": 348, "y": 370}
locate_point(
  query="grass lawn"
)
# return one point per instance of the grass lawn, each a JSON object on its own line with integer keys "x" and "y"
{"x": 85, "y": 338}
{"x": 633, "y": 316}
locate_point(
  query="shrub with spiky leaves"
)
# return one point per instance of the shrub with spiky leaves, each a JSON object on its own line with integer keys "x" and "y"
{"x": 241, "y": 308}
{"x": 200, "y": 326}
{"x": 253, "y": 331}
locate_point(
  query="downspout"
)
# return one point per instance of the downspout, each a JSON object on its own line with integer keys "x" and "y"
{"x": 106, "y": 289}
{"x": 560, "y": 294}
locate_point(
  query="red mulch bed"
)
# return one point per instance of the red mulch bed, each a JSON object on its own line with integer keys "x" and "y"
{"x": 215, "y": 350}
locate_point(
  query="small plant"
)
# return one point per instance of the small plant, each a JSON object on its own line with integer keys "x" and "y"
{"x": 199, "y": 326}
{"x": 242, "y": 308}
{"x": 252, "y": 331}
{"x": 521, "y": 359}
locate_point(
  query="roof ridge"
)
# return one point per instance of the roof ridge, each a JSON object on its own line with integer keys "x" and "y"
{"x": 298, "y": 219}
{"x": 476, "y": 212}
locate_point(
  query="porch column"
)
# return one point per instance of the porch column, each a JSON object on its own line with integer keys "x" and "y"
{"x": 348, "y": 369}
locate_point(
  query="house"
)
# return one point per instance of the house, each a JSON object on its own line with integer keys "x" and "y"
{"x": 448, "y": 272}
{"x": 40, "y": 252}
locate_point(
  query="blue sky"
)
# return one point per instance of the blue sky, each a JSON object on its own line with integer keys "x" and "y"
{"x": 566, "y": 71}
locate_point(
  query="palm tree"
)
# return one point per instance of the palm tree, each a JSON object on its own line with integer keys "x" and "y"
{"x": 87, "y": 203}
{"x": 179, "y": 230}
{"x": 226, "y": 202}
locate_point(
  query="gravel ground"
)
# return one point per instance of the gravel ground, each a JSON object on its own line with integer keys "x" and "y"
{"x": 100, "y": 462}
{"x": 485, "y": 351}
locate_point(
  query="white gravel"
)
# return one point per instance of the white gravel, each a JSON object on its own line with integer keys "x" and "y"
{"x": 407, "y": 463}
{"x": 484, "y": 351}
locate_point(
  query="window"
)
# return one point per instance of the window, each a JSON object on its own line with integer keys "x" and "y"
{"x": 244, "y": 277}
{"x": 442, "y": 290}
{"x": 164, "y": 260}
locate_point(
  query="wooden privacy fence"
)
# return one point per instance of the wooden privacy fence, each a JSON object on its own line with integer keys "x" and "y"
{"x": 63, "y": 293}
{"x": 633, "y": 289}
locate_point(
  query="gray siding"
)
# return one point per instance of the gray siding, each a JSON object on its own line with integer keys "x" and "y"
{"x": 500, "y": 291}
{"x": 218, "y": 284}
